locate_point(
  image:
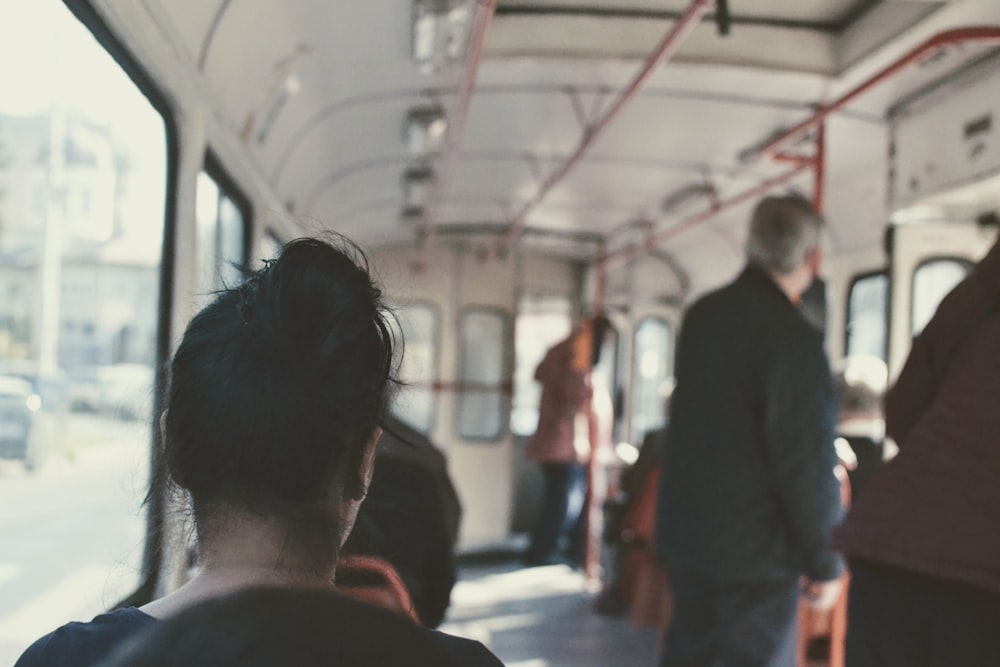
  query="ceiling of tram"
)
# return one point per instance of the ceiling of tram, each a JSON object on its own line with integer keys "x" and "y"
{"x": 318, "y": 92}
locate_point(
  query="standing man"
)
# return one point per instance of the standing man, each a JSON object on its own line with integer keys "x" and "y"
{"x": 748, "y": 496}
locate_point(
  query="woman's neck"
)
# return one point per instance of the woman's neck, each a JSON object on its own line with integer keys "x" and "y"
{"x": 241, "y": 551}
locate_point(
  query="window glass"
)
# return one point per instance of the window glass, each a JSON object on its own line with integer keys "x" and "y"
{"x": 270, "y": 246}
{"x": 417, "y": 400}
{"x": 650, "y": 373}
{"x": 866, "y": 316}
{"x": 606, "y": 370}
{"x": 83, "y": 164}
{"x": 542, "y": 321}
{"x": 481, "y": 401}
{"x": 221, "y": 236}
{"x": 932, "y": 281}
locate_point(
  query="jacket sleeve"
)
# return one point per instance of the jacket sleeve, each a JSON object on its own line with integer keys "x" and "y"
{"x": 799, "y": 419}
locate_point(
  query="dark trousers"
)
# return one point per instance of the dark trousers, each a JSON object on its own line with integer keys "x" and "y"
{"x": 732, "y": 625}
{"x": 897, "y": 618}
{"x": 560, "y": 515}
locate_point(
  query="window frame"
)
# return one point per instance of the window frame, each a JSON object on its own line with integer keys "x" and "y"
{"x": 886, "y": 311}
{"x": 155, "y": 504}
{"x": 229, "y": 188}
{"x": 668, "y": 360}
{"x": 438, "y": 318}
{"x": 965, "y": 262}
{"x": 504, "y": 387}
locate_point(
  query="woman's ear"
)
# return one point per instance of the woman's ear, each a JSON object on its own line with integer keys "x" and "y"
{"x": 366, "y": 468}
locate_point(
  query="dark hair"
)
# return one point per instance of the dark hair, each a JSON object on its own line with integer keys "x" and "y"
{"x": 601, "y": 326}
{"x": 273, "y": 627}
{"x": 279, "y": 382}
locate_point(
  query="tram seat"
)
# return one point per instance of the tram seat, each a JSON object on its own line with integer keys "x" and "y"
{"x": 643, "y": 583}
{"x": 831, "y": 625}
{"x": 374, "y": 580}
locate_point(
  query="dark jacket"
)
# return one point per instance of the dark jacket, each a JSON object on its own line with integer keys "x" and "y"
{"x": 935, "y": 508}
{"x": 747, "y": 490}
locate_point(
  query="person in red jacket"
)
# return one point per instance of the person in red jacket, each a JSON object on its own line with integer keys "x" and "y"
{"x": 561, "y": 445}
{"x": 924, "y": 539}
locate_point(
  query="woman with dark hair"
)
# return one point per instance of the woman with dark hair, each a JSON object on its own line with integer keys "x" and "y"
{"x": 271, "y": 423}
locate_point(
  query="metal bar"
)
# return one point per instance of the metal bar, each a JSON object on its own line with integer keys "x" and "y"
{"x": 819, "y": 169}
{"x": 459, "y": 114}
{"x": 663, "y": 52}
{"x": 600, "y": 279}
{"x": 631, "y": 252}
{"x": 773, "y": 148}
{"x": 956, "y": 36}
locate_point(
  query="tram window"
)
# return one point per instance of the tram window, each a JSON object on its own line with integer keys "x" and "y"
{"x": 83, "y": 180}
{"x": 607, "y": 368}
{"x": 222, "y": 217}
{"x": 932, "y": 281}
{"x": 866, "y": 316}
{"x": 270, "y": 246}
{"x": 481, "y": 401}
{"x": 650, "y": 374}
{"x": 416, "y": 403}
{"x": 542, "y": 321}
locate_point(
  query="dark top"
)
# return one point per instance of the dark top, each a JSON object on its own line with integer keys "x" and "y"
{"x": 747, "y": 490}
{"x": 86, "y": 644}
{"x": 935, "y": 508}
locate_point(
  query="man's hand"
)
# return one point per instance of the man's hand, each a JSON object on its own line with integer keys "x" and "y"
{"x": 821, "y": 595}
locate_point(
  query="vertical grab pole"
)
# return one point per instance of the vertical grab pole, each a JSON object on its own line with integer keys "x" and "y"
{"x": 838, "y": 615}
{"x": 592, "y": 518}
{"x": 819, "y": 169}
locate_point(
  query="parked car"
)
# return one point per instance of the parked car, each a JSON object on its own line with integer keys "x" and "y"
{"x": 22, "y": 431}
{"x": 122, "y": 391}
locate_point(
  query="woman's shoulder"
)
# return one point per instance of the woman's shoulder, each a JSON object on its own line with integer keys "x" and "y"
{"x": 466, "y": 652}
{"x": 84, "y": 644}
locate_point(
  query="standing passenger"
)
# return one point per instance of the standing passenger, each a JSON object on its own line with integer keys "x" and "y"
{"x": 276, "y": 392}
{"x": 748, "y": 496}
{"x": 924, "y": 540}
{"x": 561, "y": 444}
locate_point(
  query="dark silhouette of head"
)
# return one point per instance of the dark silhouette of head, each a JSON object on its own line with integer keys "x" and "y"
{"x": 277, "y": 388}
{"x": 274, "y": 627}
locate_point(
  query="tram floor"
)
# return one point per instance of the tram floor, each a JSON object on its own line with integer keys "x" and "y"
{"x": 542, "y": 617}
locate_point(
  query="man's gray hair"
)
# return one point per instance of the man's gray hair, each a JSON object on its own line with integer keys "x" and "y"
{"x": 783, "y": 229}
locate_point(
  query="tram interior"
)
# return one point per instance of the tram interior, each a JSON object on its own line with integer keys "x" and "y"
{"x": 511, "y": 166}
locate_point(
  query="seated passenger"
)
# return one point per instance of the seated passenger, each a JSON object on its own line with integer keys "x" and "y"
{"x": 410, "y": 519}
{"x": 272, "y": 418}
{"x": 861, "y": 386}
{"x": 274, "y": 627}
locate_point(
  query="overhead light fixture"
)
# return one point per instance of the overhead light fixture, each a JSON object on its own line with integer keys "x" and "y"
{"x": 424, "y": 129}
{"x": 417, "y": 182}
{"x": 411, "y": 216}
{"x": 440, "y": 32}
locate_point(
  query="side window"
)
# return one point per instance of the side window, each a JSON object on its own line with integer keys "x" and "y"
{"x": 84, "y": 161}
{"x": 867, "y": 309}
{"x": 223, "y": 218}
{"x": 932, "y": 281}
{"x": 542, "y": 321}
{"x": 484, "y": 360}
{"x": 650, "y": 373}
{"x": 416, "y": 403}
{"x": 270, "y": 247}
